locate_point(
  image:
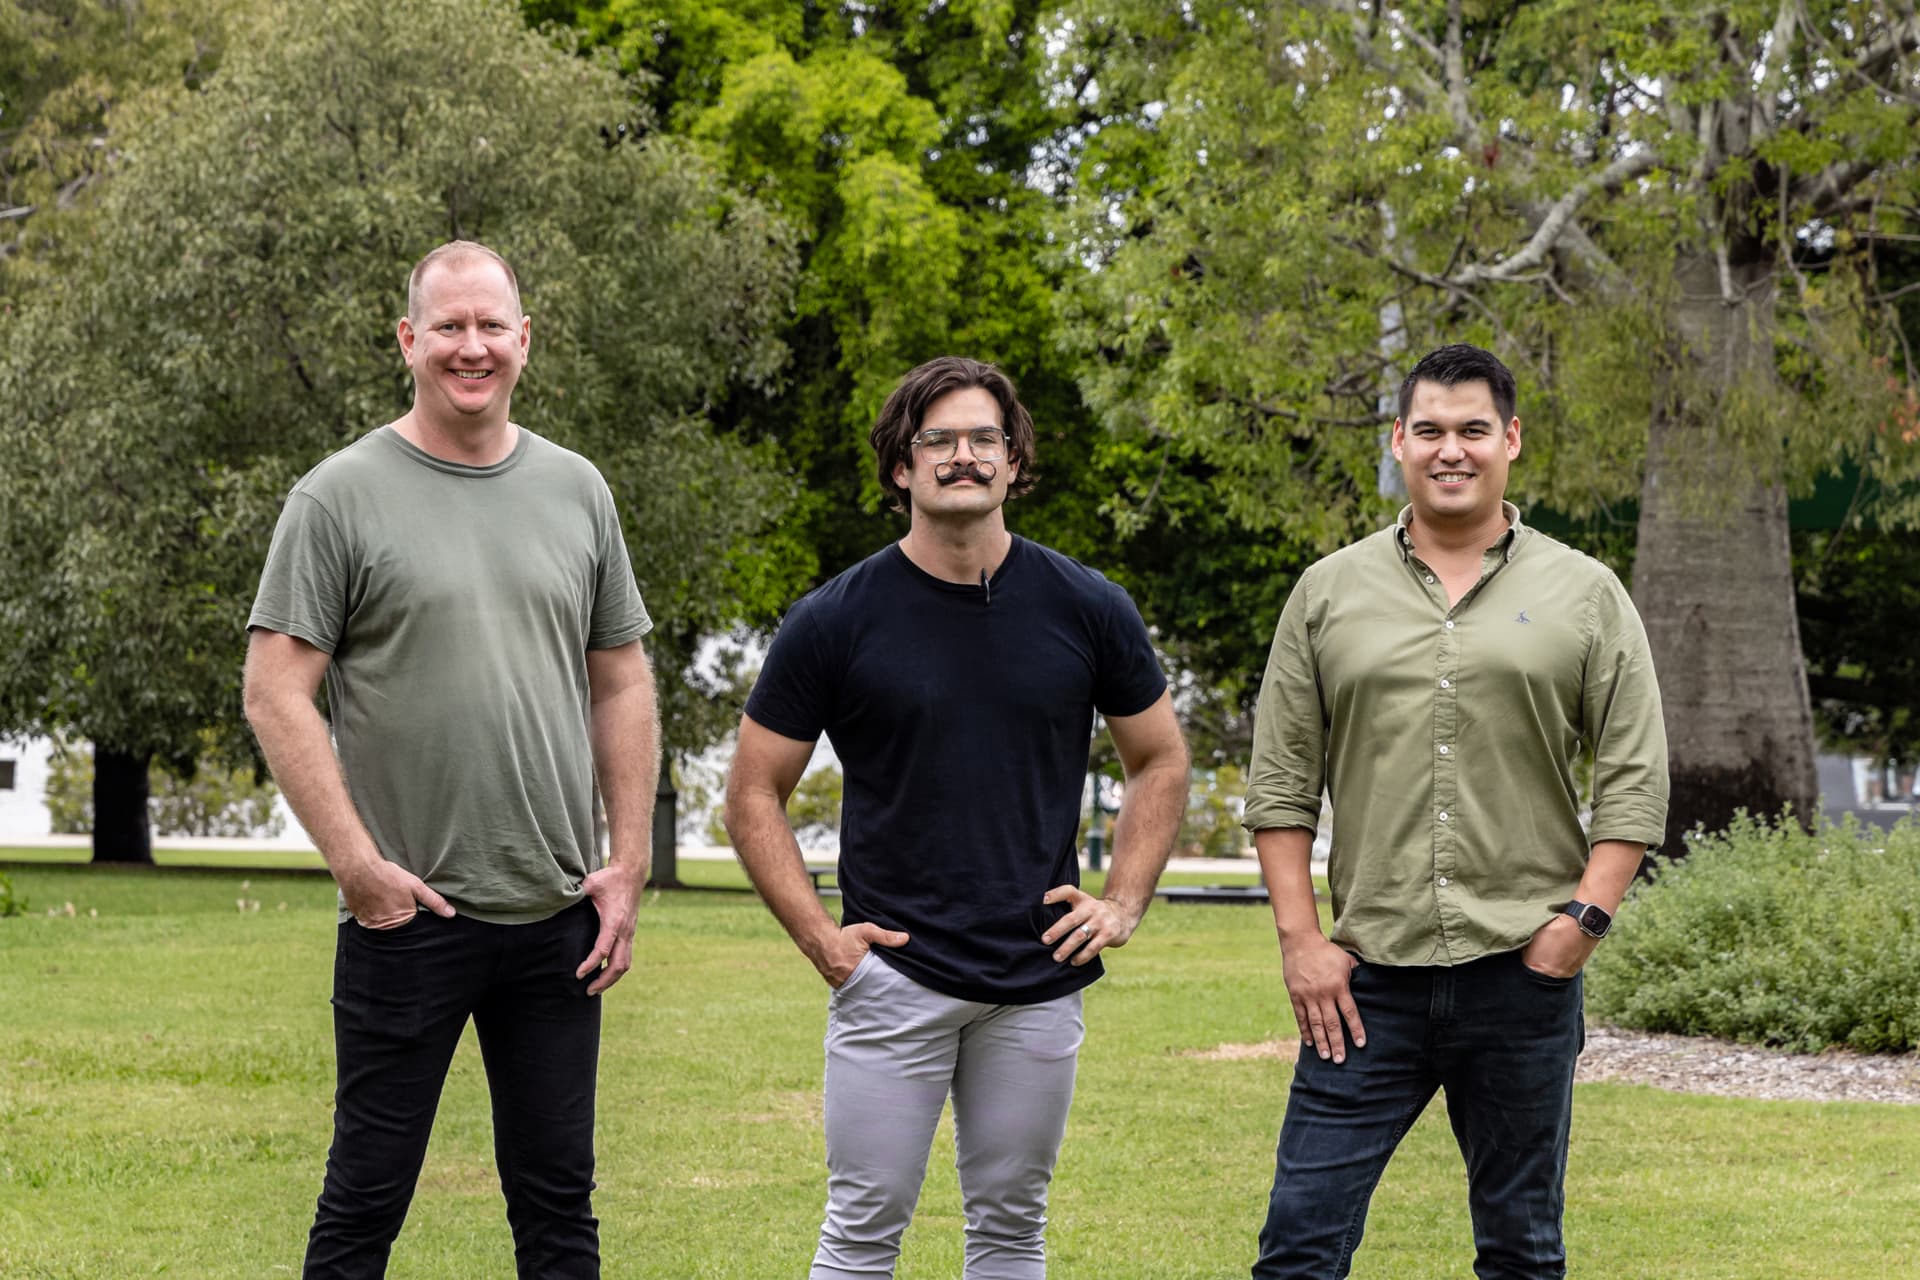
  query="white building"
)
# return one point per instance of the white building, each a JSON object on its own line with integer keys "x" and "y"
{"x": 25, "y": 820}
{"x": 23, "y": 787}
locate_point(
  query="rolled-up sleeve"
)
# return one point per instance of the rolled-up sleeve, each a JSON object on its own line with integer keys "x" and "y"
{"x": 1623, "y": 722}
{"x": 1288, "y": 771}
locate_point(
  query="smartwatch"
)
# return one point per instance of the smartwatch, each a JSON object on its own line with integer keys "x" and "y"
{"x": 1593, "y": 921}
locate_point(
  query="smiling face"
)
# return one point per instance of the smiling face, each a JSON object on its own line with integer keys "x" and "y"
{"x": 466, "y": 342}
{"x": 1454, "y": 452}
{"x": 962, "y": 496}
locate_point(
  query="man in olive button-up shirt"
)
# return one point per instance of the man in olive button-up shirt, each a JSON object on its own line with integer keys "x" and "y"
{"x": 1437, "y": 681}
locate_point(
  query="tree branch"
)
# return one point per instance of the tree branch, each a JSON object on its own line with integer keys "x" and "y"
{"x": 1831, "y": 191}
{"x": 1888, "y": 47}
{"x": 1412, "y": 78}
{"x": 1456, "y": 70}
{"x": 1765, "y": 116}
{"x": 1622, "y": 171}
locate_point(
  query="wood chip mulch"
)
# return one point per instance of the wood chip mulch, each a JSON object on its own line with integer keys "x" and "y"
{"x": 1699, "y": 1064}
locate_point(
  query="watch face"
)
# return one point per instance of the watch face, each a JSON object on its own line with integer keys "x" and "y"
{"x": 1594, "y": 920}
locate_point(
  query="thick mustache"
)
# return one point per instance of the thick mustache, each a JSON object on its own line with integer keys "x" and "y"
{"x": 954, "y": 472}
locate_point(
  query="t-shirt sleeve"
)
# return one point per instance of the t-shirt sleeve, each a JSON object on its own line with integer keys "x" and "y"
{"x": 793, "y": 695}
{"x": 619, "y": 615}
{"x": 308, "y": 579}
{"x": 1128, "y": 678}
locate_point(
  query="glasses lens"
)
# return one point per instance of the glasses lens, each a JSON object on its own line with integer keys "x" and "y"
{"x": 987, "y": 443}
{"x": 937, "y": 445}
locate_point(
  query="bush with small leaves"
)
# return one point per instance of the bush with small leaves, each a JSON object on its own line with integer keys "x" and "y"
{"x": 1770, "y": 934}
{"x": 11, "y": 902}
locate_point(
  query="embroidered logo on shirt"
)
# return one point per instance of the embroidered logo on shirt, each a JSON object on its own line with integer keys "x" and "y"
{"x": 1522, "y": 617}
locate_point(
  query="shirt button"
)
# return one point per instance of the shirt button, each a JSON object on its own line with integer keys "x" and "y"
{"x": 1445, "y": 685}
{"x": 1429, "y": 579}
{"x": 1443, "y": 815}
{"x": 1443, "y": 748}
{"x": 1442, "y": 882}
{"x": 1449, "y": 624}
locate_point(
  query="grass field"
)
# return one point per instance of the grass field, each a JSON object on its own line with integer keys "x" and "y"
{"x": 165, "y": 1079}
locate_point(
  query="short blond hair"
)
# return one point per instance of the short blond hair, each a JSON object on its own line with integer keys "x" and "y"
{"x": 457, "y": 251}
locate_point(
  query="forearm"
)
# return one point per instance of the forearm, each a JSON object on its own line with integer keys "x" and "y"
{"x": 626, "y": 759}
{"x": 1144, "y": 832}
{"x": 1286, "y": 863}
{"x": 299, "y": 750}
{"x": 764, "y": 842}
{"x": 1611, "y": 868}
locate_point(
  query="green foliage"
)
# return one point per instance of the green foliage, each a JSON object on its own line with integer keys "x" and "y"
{"x": 211, "y": 800}
{"x": 1771, "y": 934}
{"x": 1656, "y": 213}
{"x": 919, "y": 152}
{"x": 1857, "y": 589}
{"x": 65, "y": 65}
{"x": 1286, "y": 204}
{"x": 814, "y": 807}
{"x": 223, "y": 318}
{"x": 12, "y": 901}
{"x": 1211, "y": 826}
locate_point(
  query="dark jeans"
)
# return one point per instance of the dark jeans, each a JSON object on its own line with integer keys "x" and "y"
{"x": 401, "y": 999}
{"x": 1501, "y": 1040}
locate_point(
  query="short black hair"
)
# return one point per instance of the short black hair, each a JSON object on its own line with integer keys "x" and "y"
{"x": 899, "y": 421}
{"x": 1457, "y": 363}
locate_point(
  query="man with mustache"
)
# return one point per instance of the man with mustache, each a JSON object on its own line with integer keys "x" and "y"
{"x": 1439, "y": 679}
{"x": 957, "y": 674}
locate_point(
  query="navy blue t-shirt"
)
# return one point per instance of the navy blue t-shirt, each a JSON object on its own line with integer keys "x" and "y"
{"x": 962, "y": 717}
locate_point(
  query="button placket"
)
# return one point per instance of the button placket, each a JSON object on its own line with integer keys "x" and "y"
{"x": 1446, "y": 718}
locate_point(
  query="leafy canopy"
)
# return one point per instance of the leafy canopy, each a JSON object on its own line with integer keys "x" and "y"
{"x": 223, "y": 317}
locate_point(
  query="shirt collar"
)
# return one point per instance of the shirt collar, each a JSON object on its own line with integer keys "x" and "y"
{"x": 1509, "y": 543}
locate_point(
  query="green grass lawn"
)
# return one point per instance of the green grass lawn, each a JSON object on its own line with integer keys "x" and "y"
{"x": 166, "y": 1070}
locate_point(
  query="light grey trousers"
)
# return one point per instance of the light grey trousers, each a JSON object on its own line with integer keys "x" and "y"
{"x": 895, "y": 1050}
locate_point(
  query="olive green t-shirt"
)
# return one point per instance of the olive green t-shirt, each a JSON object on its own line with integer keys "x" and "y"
{"x": 1446, "y": 736}
{"x": 458, "y": 604}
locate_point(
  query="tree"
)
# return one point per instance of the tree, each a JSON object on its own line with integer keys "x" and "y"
{"x": 921, "y": 153}
{"x": 64, "y": 65}
{"x": 1662, "y": 215}
{"x": 221, "y": 316}
{"x": 896, "y": 139}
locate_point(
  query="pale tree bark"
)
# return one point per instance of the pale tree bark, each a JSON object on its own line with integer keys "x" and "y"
{"x": 1713, "y": 575}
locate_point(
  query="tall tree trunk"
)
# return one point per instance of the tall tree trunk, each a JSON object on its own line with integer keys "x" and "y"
{"x": 1713, "y": 576}
{"x": 121, "y": 830}
{"x": 664, "y": 871}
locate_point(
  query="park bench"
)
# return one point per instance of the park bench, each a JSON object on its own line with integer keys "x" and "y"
{"x": 1212, "y": 893}
{"x": 821, "y": 872}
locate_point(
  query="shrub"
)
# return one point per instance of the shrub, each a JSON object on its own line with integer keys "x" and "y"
{"x": 1211, "y": 828}
{"x": 1766, "y": 933}
{"x": 215, "y": 801}
{"x": 814, "y": 807}
{"x": 12, "y": 903}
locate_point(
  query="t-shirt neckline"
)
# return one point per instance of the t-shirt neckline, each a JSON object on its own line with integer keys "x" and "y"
{"x": 415, "y": 453}
{"x": 995, "y": 582}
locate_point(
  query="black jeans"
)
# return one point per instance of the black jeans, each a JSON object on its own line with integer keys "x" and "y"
{"x": 401, "y": 999}
{"x": 1501, "y": 1040}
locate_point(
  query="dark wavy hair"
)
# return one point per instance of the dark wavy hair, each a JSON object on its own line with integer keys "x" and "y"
{"x": 900, "y": 418}
{"x": 1462, "y": 362}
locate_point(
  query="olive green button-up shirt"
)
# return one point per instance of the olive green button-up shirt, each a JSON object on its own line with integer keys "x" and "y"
{"x": 1445, "y": 738}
